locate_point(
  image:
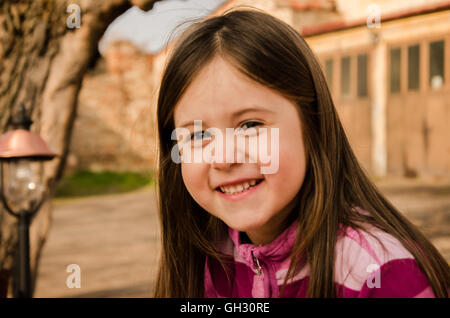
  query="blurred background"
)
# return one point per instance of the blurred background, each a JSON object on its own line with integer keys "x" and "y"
{"x": 88, "y": 76}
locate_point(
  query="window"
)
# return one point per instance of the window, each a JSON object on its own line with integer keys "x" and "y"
{"x": 436, "y": 64}
{"x": 395, "y": 70}
{"x": 362, "y": 75}
{"x": 413, "y": 67}
{"x": 329, "y": 73}
{"x": 345, "y": 76}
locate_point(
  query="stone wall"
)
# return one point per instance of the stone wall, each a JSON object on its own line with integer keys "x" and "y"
{"x": 115, "y": 126}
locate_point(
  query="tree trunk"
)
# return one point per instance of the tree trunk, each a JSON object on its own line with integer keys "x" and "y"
{"x": 43, "y": 57}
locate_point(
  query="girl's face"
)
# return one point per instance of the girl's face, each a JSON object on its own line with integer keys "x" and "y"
{"x": 218, "y": 97}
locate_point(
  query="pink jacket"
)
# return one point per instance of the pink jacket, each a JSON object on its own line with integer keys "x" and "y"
{"x": 362, "y": 268}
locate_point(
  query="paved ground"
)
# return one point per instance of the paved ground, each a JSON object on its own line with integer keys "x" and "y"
{"x": 115, "y": 241}
{"x": 427, "y": 205}
{"x": 113, "y": 238}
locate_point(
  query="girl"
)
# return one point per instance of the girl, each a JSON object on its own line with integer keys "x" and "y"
{"x": 317, "y": 227}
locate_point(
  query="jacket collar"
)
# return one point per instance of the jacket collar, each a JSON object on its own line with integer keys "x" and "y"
{"x": 277, "y": 250}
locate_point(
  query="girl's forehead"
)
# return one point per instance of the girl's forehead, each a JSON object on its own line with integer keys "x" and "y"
{"x": 220, "y": 91}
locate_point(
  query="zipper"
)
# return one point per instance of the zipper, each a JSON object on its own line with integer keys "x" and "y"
{"x": 258, "y": 269}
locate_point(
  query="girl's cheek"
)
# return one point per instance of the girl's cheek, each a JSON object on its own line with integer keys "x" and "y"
{"x": 291, "y": 161}
{"x": 188, "y": 173}
{"x": 195, "y": 178}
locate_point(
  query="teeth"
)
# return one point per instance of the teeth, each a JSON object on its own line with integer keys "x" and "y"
{"x": 238, "y": 188}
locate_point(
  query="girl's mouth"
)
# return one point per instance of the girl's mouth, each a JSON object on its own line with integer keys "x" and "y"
{"x": 239, "y": 191}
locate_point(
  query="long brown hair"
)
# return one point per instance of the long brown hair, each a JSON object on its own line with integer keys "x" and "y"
{"x": 272, "y": 53}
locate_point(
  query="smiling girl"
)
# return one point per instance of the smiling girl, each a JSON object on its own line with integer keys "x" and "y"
{"x": 317, "y": 227}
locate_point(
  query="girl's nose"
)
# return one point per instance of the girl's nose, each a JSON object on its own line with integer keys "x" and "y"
{"x": 224, "y": 160}
{"x": 221, "y": 165}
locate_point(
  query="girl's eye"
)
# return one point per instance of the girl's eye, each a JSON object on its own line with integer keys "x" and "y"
{"x": 199, "y": 135}
{"x": 250, "y": 124}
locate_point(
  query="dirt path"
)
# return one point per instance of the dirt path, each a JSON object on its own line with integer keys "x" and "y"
{"x": 428, "y": 207}
{"x": 115, "y": 240}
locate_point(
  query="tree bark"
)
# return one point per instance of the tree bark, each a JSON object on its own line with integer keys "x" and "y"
{"x": 42, "y": 63}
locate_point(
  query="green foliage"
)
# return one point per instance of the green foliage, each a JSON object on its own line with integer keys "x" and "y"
{"x": 85, "y": 183}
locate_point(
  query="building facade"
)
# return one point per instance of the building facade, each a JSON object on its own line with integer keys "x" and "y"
{"x": 391, "y": 87}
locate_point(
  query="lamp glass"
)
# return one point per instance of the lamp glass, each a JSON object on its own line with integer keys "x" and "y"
{"x": 23, "y": 183}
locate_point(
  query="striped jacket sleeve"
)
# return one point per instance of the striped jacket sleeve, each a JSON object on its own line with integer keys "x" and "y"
{"x": 365, "y": 269}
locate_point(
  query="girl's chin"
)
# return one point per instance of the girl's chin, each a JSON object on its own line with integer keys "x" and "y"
{"x": 245, "y": 225}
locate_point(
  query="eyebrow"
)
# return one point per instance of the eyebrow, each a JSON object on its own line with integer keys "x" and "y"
{"x": 238, "y": 114}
